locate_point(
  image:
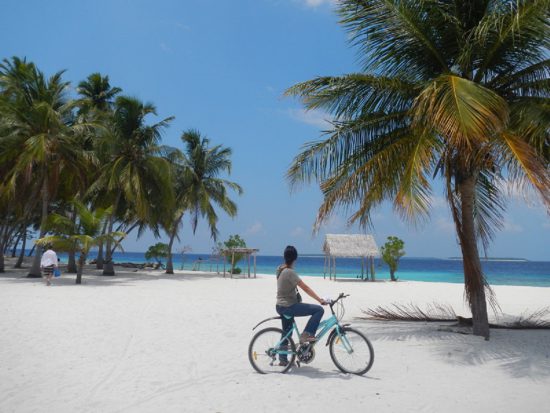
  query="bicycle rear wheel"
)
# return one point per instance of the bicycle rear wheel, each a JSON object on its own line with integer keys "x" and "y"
{"x": 267, "y": 354}
{"x": 351, "y": 351}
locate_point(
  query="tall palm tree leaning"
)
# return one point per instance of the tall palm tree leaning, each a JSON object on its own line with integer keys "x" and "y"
{"x": 453, "y": 89}
{"x": 198, "y": 187}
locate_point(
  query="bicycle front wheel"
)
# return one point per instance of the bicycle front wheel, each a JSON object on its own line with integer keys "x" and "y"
{"x": 351, "y": 351}
{"x": 268, "y": 354}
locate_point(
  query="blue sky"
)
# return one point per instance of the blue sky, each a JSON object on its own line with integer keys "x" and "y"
{"x": 221, "y": 66}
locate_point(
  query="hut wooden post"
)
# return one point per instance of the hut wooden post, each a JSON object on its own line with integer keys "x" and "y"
{"x": 373, "y": 278}
{"x": 224, "y": 261}
{"x": 248, "y": 265}
{"x": 334, "y": 261}
{"x": 325, "y": 267}
{"x": 232, "y": 262}
{"x": 254, "y": 265}
{"x": 362, "y": 267}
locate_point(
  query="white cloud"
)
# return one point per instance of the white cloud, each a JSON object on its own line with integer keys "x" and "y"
{"x": 183, "y": 27}
{"x": 256, "y": 228}
{"x": 312, "y": 117}
{"x": 297, "y": 232}
{"x": 438, "y": 202}
{"x": 317, "y": 3}
{"x": 445, "y": 225}
{"x": 334, "y": 224}
{"x": 510, "y": 226}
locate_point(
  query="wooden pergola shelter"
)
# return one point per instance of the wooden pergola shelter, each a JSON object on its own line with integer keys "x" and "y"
{"x": 248, "y": 252}
{"x": 350, "y": 246}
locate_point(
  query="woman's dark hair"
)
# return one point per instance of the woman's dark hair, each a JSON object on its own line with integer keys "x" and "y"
{"x": 290, "y": 254}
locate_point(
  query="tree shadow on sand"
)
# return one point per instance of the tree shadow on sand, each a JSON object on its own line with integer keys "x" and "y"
{"x": 520, "y": 353}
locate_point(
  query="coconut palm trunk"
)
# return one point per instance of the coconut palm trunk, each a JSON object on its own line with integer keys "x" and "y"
{"x": 474, "y": 280}
{"x": 173, "y": 234}
{"x": 81, "y": 262}
{"x": 19, "y": 262}
{"x": 35, "y": 269}
{"x": 169, "y": 260}
{"x": 108, "y": 265}
{"x": 71, "y": 264}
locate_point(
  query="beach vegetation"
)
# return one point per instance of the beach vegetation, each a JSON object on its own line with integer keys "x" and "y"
{"x": 391, "y": 252}
{"x": 41, "y": 151}
{"x": 156, "y": 252}
{"x": 80, "y": 234}
{"x": 458, "y": 91}
{"x": 101, "y": 149}
{"x": 135, "y": 177}
{"x": 198, "y": 186}
{"x": 234, "y": 241}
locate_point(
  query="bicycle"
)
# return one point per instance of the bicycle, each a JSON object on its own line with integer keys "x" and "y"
{"x": 350, "y": 350}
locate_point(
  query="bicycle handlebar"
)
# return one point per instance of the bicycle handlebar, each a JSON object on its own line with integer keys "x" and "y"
{"x": 340, "y": 296}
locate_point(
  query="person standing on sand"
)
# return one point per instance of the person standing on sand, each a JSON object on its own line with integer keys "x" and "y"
{"x": 48, "y": 263}
{"x": 289, "y": 301}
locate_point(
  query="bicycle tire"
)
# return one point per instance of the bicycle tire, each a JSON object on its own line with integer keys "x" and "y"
{"x": 361, "y": 345}
{"x": 261, "y": 354}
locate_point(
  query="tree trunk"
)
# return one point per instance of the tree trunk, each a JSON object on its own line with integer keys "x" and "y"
{"x": 71, "y": 264}
{"x": 35, "y": 269}
{"x": 81, "y": 262}
{"x": 474, "y": 280}
{"x": 108, "y": 265}
{"x": 2, "y": 268}
{"x": 16, "y": 243}
{"x": 99, "y": 259}
{"x": 19, "y": 262}
{"x": 169, "y": 261}
{"x": 392, "y": 274}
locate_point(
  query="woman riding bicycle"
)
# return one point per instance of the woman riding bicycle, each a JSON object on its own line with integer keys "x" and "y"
{"x": 289, "y": 301}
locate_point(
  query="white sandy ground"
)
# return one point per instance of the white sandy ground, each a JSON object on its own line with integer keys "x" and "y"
{"x": 150, "y": 342}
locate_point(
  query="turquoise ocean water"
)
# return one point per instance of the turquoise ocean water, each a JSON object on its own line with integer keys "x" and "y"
{"x": 501, "y": 272}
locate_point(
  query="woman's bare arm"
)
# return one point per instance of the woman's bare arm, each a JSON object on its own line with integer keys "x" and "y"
{"x": 310, "y": 292}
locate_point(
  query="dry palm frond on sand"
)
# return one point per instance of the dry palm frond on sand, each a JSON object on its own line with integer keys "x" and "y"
{"x": 539, "y": 319}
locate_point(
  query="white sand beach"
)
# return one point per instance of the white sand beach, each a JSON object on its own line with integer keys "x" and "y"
{"x": 150, "y": 342}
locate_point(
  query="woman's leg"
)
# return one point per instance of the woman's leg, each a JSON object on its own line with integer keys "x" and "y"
{"x": 302, "y": 309}
{"x": 286, "y": 326}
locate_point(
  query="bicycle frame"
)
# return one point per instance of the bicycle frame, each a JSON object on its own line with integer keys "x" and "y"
{"x": 325, "y": 326}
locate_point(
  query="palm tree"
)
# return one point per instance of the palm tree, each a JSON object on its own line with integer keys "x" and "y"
{"x": 41, "y": 142}
{"x": 96, "y": 104}
{"x": 136, "y": 171}
{"x": 84, "y": 233}
{"x": 96, "y": 93}
{"x": 458, "y": 90}
{"x": 198, "y": 187}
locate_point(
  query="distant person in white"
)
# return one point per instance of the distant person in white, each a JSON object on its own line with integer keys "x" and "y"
{"x": 48, "y": 263}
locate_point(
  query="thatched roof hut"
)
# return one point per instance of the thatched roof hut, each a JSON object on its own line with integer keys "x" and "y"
{"x": 350, "y": 246}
